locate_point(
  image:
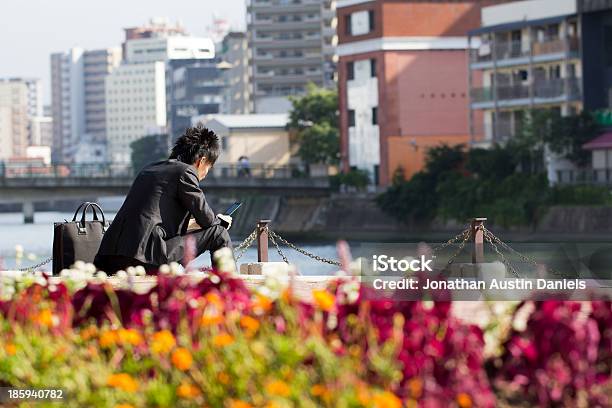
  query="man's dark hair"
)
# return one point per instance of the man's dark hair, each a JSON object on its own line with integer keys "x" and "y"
{"x": 195, "y": 143}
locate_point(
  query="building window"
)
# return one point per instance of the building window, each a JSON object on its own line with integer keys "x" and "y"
{"x": 351, "y": 118}
{"x": 350, "y": 70}
{"x": 224, "y": 143}
{"x": 375, "y": 115}
{"x": 373, "y": 68}
{"x": 371, "y": 18}
{"x": 347, "y": 24}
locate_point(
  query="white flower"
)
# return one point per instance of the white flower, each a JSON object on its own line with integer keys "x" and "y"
{"x": 164, "y": 269}
{"x": 122, "y": 274}
{"x": 140, "y": 271}
{"x": 224, "y": 259}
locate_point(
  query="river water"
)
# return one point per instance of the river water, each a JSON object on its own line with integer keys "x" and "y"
{"x": 37, "y": 242}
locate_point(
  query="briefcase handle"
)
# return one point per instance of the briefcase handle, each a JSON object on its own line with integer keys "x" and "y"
{"x": 74, "y": 217}
{"x": 93, "y": 207}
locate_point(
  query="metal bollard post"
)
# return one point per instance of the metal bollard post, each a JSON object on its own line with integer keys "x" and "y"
{"x": 477, "y": 235}
{"x": 262, "y": 240}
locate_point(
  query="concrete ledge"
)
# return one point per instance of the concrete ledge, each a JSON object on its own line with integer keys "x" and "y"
{"x": 261, "y": 268}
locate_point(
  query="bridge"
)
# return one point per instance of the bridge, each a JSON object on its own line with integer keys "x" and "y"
{"x": 28, "y": 184}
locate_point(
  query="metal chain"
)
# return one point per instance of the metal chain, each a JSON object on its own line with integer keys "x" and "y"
{"x": 524, "y": 258}
{"x": 244, "y": 245}
{"x": 451, "y": 241}
{"x": 277, "y": 247}
{"x": 501, "y": 256}
{"x": 38, "y": 265}
{"x": 274, "y": 235}
{"x": 466, "y": 236}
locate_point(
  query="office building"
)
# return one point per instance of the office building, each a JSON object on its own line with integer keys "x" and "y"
{"x": 13, "y": 118}
{"x": 41, "y": 131}
{"x": 234, "y": 52}
{"x": 403, "y": 84}
{"x": 136, "y": 97}
{"x": 158, "y": 27}
{"x": 77, "y": 96}
{"x": 194, "y": 87}
{"x": 539, "y": 54}
{"x": 291, "y": 44}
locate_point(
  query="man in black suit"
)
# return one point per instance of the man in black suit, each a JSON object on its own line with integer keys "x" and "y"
{"x": 164, "y": 202}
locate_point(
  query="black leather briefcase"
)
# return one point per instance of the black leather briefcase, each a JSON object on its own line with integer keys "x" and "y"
{"x": 78, "y": 240}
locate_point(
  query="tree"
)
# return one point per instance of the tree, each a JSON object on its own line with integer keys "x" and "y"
{"x": 149, "y": 149}
{"x": 571, "y": 133}
{"x": 314, "y": 117}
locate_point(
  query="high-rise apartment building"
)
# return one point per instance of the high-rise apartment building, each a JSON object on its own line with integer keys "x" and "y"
{"x": 13, "y": 118}
{"x": 77, "y": 95}
{"x": 234, "y": 52}
{"x": 539, "y": 54}
{"x": 403, "y": 84}
{"x": 292, "y": 43}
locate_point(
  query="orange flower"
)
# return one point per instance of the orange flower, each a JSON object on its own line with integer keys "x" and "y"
{"x": 213, "y": 298}
{"x": 187, "y": 391}
{"x": 163, "y": 342}
{"x": 415, "y": 385}
{"x": 387, "y": 399}
{"x": 124, "y": 406}
{"x": 279, "y": 388}
{"x": 122, "y": 381}
{"x": 44, "y": 318}
{"x": 222, "y": 340}
{"x": 211, "y": 319}
{"x": 363, "y": 395}
{"x": 464, "y": 400}
{"x": 181, "y": 358}
{"x": 108, "y": 338}
{"x": 249, "y": 323}
{"x": 319, "y": 390}
{"x": 89, "y": 332}
{"x": 129, "y": 336}
{"x": 10, "y": 349}
{"x": 261, "y": 304}
{"x": 323, "y": 299}
{"x": 239, "y": 404}
{"x": 223, "y": 378}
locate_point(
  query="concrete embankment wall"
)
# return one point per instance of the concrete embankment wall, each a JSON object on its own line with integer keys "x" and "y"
{"x": 358, "y": 217}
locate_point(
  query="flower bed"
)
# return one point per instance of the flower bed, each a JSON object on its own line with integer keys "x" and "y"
{"x": 216, "y": 343}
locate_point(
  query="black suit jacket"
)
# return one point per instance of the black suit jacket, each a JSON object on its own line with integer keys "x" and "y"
{"x": 156, "y": 212}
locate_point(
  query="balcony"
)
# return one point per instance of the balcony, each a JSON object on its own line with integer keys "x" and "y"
{"x": 516, "y": 53}
{"x": 542, "y": 91}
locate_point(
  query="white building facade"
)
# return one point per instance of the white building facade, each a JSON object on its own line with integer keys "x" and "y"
{"x": 13, "y": 118}
{"x": 77, "y": 95}
{"x": 136, "y": 90}
{"x": 135, "y": 107}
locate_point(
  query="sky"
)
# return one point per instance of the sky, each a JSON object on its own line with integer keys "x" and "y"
{"x": 30, "y": 30}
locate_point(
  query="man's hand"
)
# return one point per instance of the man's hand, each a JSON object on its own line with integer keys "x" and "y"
{"x": 193, "y": 225}
{"x": 226, "y": 219}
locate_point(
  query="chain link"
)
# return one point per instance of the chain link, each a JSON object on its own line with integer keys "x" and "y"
{"x": 274, "y": 235}
{"x": 501, "y": 256}
{"x": 465, "y": 237}
{"x": 244, "y": 245}
{"x": 38, "y": 265}
{"x": 451, "y": 241}
{"x": 277, "y": 247}
{"x": 524, "y": 258}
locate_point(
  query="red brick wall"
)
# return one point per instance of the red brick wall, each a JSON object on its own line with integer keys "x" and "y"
{"x": 421, "y": 18}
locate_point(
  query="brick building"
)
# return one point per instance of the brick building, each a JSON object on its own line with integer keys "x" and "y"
{"x": 403, "y": 81}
